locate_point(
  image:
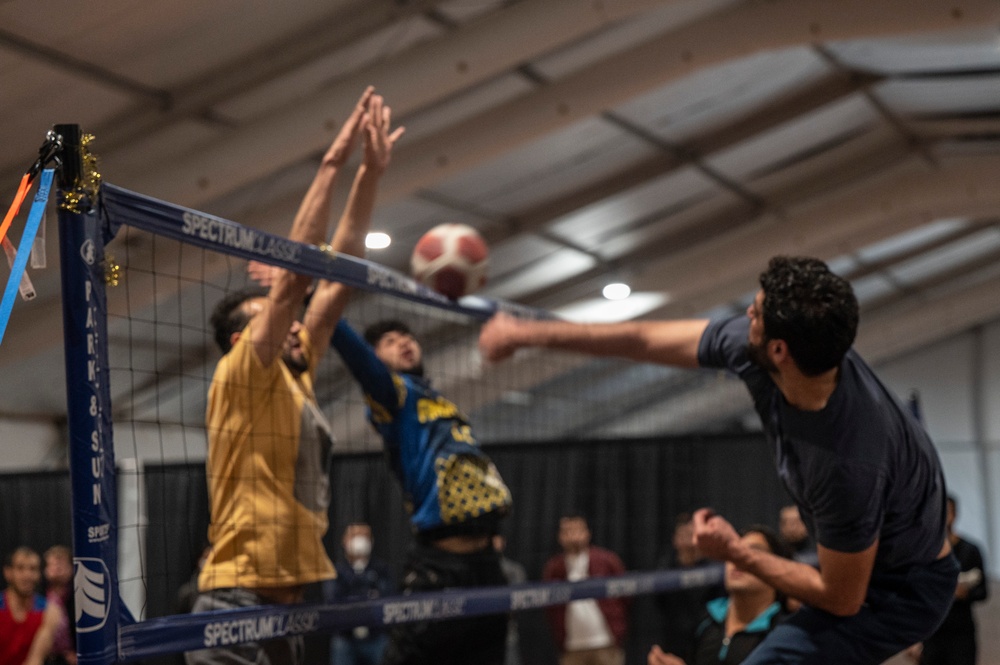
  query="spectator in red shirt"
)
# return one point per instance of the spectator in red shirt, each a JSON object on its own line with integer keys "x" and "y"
{"x": 587, "y": 632}
{"x": 27, "y": 622}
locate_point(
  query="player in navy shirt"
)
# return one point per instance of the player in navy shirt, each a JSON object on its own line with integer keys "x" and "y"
{"x": 452, "y": 491}
{"x": 862, "y": 471}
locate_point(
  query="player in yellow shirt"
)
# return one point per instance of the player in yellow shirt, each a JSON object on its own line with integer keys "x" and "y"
{"x": 268, "y": 442}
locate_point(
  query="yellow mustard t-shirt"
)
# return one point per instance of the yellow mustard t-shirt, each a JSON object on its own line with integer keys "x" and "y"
{"x": 267, "y": 468}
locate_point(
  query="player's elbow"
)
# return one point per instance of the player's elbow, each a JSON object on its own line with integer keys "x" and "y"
{"x": 844, "y": 607}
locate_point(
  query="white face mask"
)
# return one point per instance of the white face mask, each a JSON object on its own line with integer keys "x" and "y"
{"x": 359, "y": 546}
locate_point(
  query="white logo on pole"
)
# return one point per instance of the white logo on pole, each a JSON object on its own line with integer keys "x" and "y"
{"x": 92, "y": 594}
{"x": 88, "y": 252}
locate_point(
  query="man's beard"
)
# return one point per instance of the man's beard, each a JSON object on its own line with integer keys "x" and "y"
{"x": 297, "y": 365}
{"x": 757, "y": 353}
{"x": 416, "y": 370}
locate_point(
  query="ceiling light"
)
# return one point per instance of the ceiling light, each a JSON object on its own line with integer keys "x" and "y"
{"x": 377, "y": 240}
{"x": 599, "y": 310}
{"x": 616, "y": 291}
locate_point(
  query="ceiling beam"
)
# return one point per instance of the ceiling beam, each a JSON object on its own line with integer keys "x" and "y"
{"x": 826, "y": 226}
{"x": 419, "y": 77}
{"x": 483, "y": 49}
{"x": 635, "y": 246}
{"x": 755, "y": 27}
{"x": 195, "y": 99}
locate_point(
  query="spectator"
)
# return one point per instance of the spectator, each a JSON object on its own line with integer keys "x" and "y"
{"x": 515, "y": 574}
{"x": 682, "y": 609}
{"x": 359, "y": 576}
{"x": 27, "y": 621}
{"x": 954, "y": 643}
{"x": 587, "y": 632}
{"x": 59, "y": 592}
{"x": 737, "y": 624}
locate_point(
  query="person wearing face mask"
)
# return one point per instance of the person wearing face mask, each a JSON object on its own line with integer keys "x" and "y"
{"x": 359, "y": 577}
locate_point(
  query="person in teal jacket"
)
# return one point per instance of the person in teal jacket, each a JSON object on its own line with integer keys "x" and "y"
{"x": 737, "y": 623}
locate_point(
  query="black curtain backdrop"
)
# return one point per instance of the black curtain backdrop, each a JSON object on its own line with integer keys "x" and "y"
{"x": 35, "y": 511}
{"x": 630, "y": 490}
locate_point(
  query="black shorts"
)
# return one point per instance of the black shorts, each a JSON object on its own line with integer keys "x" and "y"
{"x": 452, "y": 641}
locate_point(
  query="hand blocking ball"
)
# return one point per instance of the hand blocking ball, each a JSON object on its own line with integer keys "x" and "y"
{"x": 451, "y": 259}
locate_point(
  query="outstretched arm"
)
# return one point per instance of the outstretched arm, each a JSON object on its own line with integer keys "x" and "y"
{"x": 42, "y": 644}
{"x": 273, "y": 322}
{"x": 328, "y": 302}
{"x": 665, "y": 342}
{"x": 838, "y": 587}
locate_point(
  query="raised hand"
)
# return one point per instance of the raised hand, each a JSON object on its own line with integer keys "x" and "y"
{"x": 379, "y": 135}
{"x": 343, "y": 144}
{"x": 262, "y": 273}
{"x": 657, "y": 656}
{"x": 713, "y": 535}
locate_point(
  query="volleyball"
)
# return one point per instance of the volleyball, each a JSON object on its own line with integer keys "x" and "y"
{"x": 451, "y": 259}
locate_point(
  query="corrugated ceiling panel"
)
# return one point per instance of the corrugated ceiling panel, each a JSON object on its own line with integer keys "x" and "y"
{"x": 911, "y": 240}
{"x": 712, "y": 97}
{"x": 944, "y": 52}
{"x": 946, "y": 258}
{"x": 801, "y": 137}
{"x": 560, "y": 162}
{"x": 161, "y": 43}
{"x": 313, "y": 76}
{"x": 473, "y": 101}
{"x": 623, "y": 36}
{"x": 651, "y": 198}
{"x": 43, "y": 96}
{"x": 955, "y": 95}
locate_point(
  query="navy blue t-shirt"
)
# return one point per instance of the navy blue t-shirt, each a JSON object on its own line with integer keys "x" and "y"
{"x": 449, "y": 483}
{"x": 860, "y": 468}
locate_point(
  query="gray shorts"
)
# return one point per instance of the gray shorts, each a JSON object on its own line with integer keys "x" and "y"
{"x": 282, "y": 651}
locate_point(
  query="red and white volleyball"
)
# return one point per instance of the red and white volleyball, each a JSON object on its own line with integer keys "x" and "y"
{"x": 451, "y": 259}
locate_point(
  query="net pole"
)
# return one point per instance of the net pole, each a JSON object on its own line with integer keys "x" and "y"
{"x": 91, "y": 458}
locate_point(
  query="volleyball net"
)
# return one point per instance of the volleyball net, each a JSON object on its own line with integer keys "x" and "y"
{"x": 140, "y": 278}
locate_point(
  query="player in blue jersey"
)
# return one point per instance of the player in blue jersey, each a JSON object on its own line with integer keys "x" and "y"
{"x": 455, "y": 497}
{"x": 861, "y": 469}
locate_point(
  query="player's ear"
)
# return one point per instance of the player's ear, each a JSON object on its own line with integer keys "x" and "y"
{"x": 233, "y": 337}
{"x": 778, "y": 350}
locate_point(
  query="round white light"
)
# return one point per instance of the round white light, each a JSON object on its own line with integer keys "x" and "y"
{"x": 377, "y": 240}
{"x": 616, "y": 291}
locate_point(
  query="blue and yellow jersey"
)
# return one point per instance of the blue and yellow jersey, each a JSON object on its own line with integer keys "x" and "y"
{"x": 448, "y": 482}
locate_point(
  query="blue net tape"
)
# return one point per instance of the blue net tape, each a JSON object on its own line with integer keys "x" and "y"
{"x": 223, "y": 628}
{"x": 121, "y": 206}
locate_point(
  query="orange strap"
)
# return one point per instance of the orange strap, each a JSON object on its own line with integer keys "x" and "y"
{"x": 15, "y": 207}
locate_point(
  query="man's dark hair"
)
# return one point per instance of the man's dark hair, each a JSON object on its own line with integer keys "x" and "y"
{"x": 774, "y": 542}
{"x": 375, "y": 331}
{"x": 575, "y": 515}
{"x": 811, "y": 309}
{"x": 228, "y": 316}
{"x": 23, "y": 550}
